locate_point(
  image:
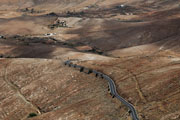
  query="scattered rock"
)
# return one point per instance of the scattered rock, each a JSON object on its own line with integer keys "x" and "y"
{"x": 120, "y": 6}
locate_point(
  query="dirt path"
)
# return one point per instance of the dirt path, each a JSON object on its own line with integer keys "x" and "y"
{"x": 16, "y": 89}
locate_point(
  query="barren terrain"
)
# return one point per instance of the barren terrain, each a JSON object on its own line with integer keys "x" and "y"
{"x": 135, "y": 42}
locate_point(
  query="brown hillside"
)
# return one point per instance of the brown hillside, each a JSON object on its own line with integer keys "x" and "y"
{"x": 135, "y": 42}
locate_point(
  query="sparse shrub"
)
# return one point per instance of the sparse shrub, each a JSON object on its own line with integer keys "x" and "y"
{"x": 32, "y": 115}
{"x": 26, "y": 9}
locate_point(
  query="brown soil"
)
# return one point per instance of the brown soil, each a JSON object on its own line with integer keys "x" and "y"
{"x": 137, "y": 45}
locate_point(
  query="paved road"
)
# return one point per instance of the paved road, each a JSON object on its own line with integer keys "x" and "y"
{"x": 112, "y": 87}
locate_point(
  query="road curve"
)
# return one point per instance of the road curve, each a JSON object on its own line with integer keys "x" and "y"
{"x": 112, "y": 87}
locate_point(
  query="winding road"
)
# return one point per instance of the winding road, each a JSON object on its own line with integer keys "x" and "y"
{"x": 112, "y": 87}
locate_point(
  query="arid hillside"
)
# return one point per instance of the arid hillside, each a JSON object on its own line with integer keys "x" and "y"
{"x": 135, "y": 42}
